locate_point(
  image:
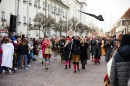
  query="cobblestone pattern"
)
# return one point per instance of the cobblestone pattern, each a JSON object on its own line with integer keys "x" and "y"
{"x": 56, "y": 75}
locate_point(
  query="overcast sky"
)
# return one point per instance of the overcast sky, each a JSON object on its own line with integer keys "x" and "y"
{"x": 112, "y": 9}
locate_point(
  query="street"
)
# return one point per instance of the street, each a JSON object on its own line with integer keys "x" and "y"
{"x": 56, "y": 75}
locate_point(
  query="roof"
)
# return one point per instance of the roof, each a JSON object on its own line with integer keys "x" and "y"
{"x": 59, "y": 1}
{"x": 126, "y": 15}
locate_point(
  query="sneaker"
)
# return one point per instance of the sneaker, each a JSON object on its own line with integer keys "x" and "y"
{"x": 10, "y": 72}
{"x": 28, "y": 65}
{"x": 3, "y": 72}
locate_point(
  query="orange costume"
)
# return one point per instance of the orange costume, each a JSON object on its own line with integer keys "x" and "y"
{"x": 103, "y": 49}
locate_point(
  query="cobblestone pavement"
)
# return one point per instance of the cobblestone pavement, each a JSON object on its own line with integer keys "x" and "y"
{"x": 56, "y": 75}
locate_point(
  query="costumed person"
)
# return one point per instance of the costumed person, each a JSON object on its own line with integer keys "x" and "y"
{"x": 109, "y": 45}
{"x": 83, "y": 56}
{"x": 47, "y": 52}
{"x": 75, "y": 48}
{"x": 62, "y": 44}
{"x": 96, "y": 50}
{"x": 7, "y": 55}
{"x": 67, "y": 54}
{"x": 92, "y": 40}
{"x": 103, "y": 48}
{"x": 0, "y": 53}
{"x": 55, "y": 49}
{"x": 88, "y": 49}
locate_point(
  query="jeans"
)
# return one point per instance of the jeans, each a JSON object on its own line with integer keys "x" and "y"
{"x": 25, "y": 61}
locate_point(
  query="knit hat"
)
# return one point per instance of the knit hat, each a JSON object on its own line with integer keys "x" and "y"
{"x": 125, "y": 39}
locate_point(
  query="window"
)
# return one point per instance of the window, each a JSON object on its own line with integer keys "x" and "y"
{"x": 29, "y": 21}
{"x": 48, "y": 8}
{"x": 3, "y": 15}
{"x": 18, "y": 18}
{"x": 24, "y": 19}
{"x": 35, "y": 3}
{"x": 39, "y": 4}
{"x": 30, "y": 2}
{"x": 49, "y": 14}
{"x": 63, "y": 13}
{"x": 43, "y": 5}
{"x": 58, "y": 11}
{"x": 55, "y": 10}
{"x": 51, "y": 8}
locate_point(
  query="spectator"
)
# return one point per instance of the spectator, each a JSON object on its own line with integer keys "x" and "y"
{"x": 23, "y": 51}
{"x": 7, "y": 56}
{"x": 120, "y": 69}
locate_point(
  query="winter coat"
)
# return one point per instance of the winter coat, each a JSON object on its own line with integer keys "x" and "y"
{"x": 109, "y": 46}
{"x": 120, "y": 69}
{"x": 67, "y": 52}
{"x": 23, "y": 49}
{"x": 62, "y": 44}
{"x": 75, "y": 47}
{"x": 46, "y": 49}
{"x": 96, "y": 47}
{"x": 7, "y": 55}
{"x": 84, "y": 47}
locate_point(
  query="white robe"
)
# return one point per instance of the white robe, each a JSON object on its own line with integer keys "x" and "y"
{"x": 7, "y": 55}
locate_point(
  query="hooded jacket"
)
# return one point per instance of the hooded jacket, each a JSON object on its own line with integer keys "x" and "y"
{"x": 7, "y": 55}
{"x": 120, "y": 69}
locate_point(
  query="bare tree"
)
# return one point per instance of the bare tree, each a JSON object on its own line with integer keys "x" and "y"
{"x": 41, "y": 21}
{"x": 60, "y": 26}
{"x": 72, "y": 23}
{"x": 80, "y": 28}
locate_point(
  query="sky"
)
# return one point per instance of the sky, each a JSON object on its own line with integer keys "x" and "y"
{"x": 111, "y": 10}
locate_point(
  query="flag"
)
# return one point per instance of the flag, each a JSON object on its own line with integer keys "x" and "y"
{"x": 99, "y": 17}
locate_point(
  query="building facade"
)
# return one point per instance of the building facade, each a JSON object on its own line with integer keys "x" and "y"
{"x": 27, "y": 9}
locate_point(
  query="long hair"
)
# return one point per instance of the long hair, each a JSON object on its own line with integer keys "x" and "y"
{"x": 120, "y": 38}
{"x": 24, "y": 41}
{"x": 6, "y": 40}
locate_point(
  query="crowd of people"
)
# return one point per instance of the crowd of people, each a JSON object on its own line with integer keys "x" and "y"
{"x": 17, "y": 51}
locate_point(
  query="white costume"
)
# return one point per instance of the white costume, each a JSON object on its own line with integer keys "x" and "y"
{"x": 7, "y": 55}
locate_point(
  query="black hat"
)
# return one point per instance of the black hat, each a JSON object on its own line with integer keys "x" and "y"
{"x": 125, "y": 39}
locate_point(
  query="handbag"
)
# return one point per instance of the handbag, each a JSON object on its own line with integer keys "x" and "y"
{"x": 40, "y": 54}
{"x": 31, "y": 54}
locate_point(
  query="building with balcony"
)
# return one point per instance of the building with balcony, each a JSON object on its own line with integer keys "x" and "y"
{"x": 123, "y": 24}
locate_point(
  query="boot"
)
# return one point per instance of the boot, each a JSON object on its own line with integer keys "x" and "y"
{"x": 65, "y": 66}
{"x": 74, "y": 65}
{"x": 78, "y": 67}
{"x": 46, "y": 66}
